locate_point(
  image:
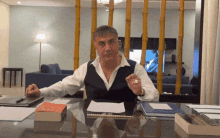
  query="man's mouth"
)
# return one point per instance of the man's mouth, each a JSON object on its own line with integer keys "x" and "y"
{"x": 108, "y": 54}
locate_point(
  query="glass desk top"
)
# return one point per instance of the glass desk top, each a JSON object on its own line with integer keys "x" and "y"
{"x": 78, "y": 121}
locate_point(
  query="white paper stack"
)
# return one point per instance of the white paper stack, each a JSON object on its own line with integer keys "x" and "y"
{"x": 15, "y": 113}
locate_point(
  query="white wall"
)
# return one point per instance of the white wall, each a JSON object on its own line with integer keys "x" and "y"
{"x": 59, "y": 24}
{"x": 4, "y": 37}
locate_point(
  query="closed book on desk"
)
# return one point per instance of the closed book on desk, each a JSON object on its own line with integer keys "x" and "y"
{"x": 50, "y": 112}
{"x": 160, "y": 109}
{"x": 195, "y": 125}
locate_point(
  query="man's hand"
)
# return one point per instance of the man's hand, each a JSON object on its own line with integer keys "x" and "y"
{"x": 32, "y": 90}
{"x": 134, "y": 83}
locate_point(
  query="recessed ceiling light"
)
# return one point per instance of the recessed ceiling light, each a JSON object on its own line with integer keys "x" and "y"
{"x": 18, "y": 2}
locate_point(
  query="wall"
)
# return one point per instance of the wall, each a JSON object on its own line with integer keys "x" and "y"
{"x": 59, "y": 25}
{"x": 4, "y": 37}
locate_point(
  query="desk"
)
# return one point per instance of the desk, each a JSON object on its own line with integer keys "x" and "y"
{"x": 74, "y": 125}
{"x": 12, "y": 69}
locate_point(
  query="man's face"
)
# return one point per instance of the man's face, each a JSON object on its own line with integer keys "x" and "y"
{"x": 107, "y": 46}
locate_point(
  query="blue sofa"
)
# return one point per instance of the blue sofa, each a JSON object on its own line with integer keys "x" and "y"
{"x": 48, "y": 75}
{"x": 169, "y": 84}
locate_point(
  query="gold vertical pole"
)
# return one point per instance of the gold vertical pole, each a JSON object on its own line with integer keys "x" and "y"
{"x": 161, "y": 47}
{"x": 94, "y": 26}
{"x": 180, "y": 46}
{"x": 77, "y": 35}
{"x": 145, "y": 33}
{"x": 127, "y": 28}
{"x": 111, "y": 10}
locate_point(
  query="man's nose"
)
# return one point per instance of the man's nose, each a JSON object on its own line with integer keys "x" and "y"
{"x": 107, "y": 46}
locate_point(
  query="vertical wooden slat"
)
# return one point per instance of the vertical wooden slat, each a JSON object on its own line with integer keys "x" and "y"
{"x": 158, "y": 128}
{"x": 74, "y": 124}
{"x": 77, "y": 35}
{"x": 127, "y": 28}
{"x": 111, "y": 11}
{"x": 145, "y": 33}
{"x": 180, "y": 47}
{"x": 94, "y": 26}
{"x": 161, "y": 47}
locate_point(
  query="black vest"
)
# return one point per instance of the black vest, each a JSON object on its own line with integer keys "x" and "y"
{"x": 119, "y": 91}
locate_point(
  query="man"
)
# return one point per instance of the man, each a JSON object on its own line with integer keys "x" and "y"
{"x": 110, "y": 76}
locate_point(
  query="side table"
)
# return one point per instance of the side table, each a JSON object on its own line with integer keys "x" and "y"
{"x": 12, "y": 69}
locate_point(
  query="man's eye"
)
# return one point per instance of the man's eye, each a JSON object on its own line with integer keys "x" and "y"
{"x": 102, "y": 44}
{"x": 112, "y": 42}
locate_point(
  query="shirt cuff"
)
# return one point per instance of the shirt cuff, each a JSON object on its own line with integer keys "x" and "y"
{"x": 44, "y": 92}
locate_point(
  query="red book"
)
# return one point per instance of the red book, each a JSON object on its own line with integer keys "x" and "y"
{"x": 50, "y": 112}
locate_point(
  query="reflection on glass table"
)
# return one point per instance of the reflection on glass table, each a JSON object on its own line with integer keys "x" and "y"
{"x": 80, "y": 123}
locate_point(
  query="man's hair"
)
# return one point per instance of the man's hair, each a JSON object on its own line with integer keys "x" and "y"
{"x": 103, "y": 30}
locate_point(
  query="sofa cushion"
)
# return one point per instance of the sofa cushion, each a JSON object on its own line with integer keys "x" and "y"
{"x": 58, "y": 70}
{"x": 51, "y": 68}
{"x": 45, "y": 68}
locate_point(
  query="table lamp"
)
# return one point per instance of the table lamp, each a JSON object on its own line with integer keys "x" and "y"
{"x": 40, "y": 38}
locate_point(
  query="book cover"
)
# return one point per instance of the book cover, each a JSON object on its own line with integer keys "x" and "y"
{"x": 160, "y": 109}
{"x": 50, "y": 112}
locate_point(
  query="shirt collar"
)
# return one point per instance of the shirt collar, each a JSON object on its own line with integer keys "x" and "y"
{"x": 124, "y": 61}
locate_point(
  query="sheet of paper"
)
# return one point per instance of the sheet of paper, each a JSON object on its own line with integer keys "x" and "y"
{"x": 213, "y": 116}
{"x": 203, "y": 106}
{"x": 160, "y": 106}
{"x": 207, "y": 110}
{"x": 15, "y": 113}
{"x": 68, "y": 106}
{"x": 106, "y": 107}
{"x": 60, "y": 101}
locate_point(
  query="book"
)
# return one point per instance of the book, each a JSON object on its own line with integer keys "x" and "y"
{"x": 48, "y": 126}
{"x": 195, "y": 125}
{"x": 190, "y": 108}
{"x": 50, "y": 112}
{"x": 160, "y": 109}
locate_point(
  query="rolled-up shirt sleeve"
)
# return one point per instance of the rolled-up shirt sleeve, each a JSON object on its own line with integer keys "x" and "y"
{"x": 151, "y": 93}
{"x": 69, "y": 85}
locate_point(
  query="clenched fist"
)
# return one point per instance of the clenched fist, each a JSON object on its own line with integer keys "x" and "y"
{"x": 32, "y": 90}
{"x": 134, "y": 83}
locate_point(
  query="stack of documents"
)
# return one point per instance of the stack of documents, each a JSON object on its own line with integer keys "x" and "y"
{"x": 160, "y": 109}
{"x": 106, "y": 107}
{"x": 211, "y": 111}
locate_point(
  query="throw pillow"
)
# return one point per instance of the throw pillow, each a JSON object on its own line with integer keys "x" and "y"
{"x": 58, "y": 70}
{"x": 52, "y": 69}
{"x": 45, "y": 68}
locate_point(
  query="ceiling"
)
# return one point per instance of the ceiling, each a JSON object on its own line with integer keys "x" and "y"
{"x": 171, "y": 4}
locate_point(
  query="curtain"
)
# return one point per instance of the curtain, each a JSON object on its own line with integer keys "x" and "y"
{"x": 211, "y": 54}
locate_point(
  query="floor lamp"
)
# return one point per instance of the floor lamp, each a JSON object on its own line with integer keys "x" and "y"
{"x": 41, "y": 38}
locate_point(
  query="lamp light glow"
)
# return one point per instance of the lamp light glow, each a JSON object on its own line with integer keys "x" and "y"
{"x": 106, "y": 2}
{"x": 41, "y": 37}
{"x": 18, "y": 2}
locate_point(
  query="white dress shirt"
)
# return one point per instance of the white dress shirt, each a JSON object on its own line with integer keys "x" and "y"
{"x": 73, "y": 83}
